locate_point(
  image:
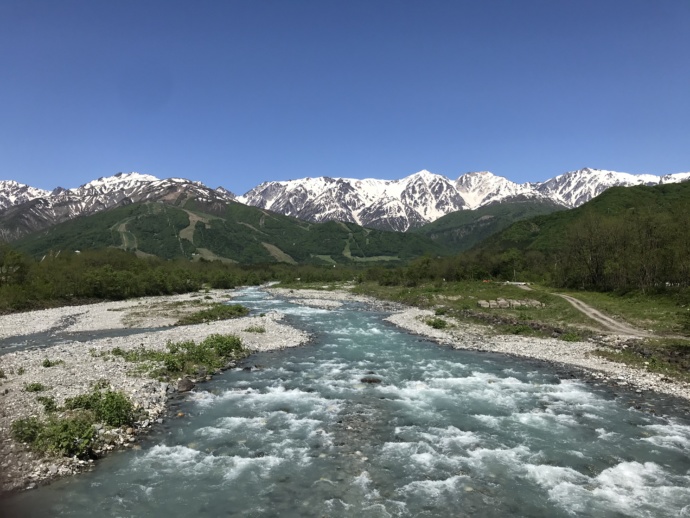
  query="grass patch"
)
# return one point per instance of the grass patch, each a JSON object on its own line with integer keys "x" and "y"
{"x": 660, "y": 313}
{"x": 51, "y": 363}
{"x": 255, "y": 329}
{"x": 459, "y": 300}
{"x": 109, "y": 407}
{"x": 35, "y": 387}
{"x": 186, "y": 358}
{"x": 66, "y": 436}
{"x": 48, "y": 402}
{"x": 437, "y": 323}
{"x": 667, "y": 356}
{"x": 213, "y": 313}
{"x": 73, "y": 432}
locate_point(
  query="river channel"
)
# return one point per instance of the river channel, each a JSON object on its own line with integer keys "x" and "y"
{"x": 370, "y": 421}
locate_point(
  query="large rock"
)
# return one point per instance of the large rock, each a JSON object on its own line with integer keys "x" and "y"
{"x": 185, "y": 385}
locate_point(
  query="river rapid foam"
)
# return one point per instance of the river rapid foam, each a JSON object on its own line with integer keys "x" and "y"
{"x": 367, "y": 420}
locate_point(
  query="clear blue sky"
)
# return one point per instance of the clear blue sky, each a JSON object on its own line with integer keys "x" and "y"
{"x": 234, "y": 93}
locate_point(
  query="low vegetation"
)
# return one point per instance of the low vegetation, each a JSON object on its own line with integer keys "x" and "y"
{"x": 186, "y": 358}
{"x": 67, "y": 436}
{"x": 70, "y": 430}
{"x": 51, "y": 363}
{"x": 437, "y": 323}
{"x": 35, "y": 387}
{"x": 255, "y": 329}
{"x": 667, "y": 356}
{"x": 213, "y": 313}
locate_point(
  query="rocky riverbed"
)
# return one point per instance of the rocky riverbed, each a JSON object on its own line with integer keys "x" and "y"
{"x": 460, "y": 335}
{"x": 78, "y": 365}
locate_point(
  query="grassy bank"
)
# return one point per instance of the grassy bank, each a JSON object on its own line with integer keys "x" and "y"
{"x": 668, "y": 354}
{"x": 461, "y": 300}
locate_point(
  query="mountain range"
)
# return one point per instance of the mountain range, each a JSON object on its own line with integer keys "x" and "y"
{"x": 423, "y": 197}
{"x": 399, "y": 205}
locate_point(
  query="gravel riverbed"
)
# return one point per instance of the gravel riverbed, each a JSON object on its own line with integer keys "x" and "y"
{"x": 81, "y": 364}
{"x": 460, "y": 335}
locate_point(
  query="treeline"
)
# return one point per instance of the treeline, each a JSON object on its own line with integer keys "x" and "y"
{"x": 635, "y": 250}
{"x": 631, "y": 250}
{"x": 113, "y": 274}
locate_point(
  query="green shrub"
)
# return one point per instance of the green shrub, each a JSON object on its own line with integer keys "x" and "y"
{"x": 188, "y": 357}
{"x": 26, "y": 429}
{"x": 66, "y": 436}
{"x": 21, "y": 371}
{"x": 437, "y": 323}
{"x": 35, "y": 387}
{"x": 440, "y": 311}
{"x": 518, "y": 329}
{"x": 111, "y": 408}
{"x": 48, "y": 363}
{"x": 225, "y": 345}
{"x": 213, "y": 313}
{"x": 255, "y": 329}
{"x": 48, "y": 403}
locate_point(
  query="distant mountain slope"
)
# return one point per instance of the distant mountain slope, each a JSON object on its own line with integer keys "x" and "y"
{"x": 463, "y": 229}
{"x": 236, "y": 233}
{"x": 552, "y": 232}
{"x": 399, "y": 205}
{"x": 423, "y": 197}
{"x": 35, "y": 209}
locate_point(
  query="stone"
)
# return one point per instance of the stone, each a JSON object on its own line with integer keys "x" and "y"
{"x": 185, "y": 385}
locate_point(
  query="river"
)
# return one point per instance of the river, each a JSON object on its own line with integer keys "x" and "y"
{"x": 370, "y": 421}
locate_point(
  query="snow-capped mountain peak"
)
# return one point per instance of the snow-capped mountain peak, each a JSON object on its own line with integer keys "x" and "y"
{"x": 14, "y": 193}
{"x": 399, "y": 205}
{"x": 118, "y": 181}
{"x": 577, "y": 187}
{"x": 483, "y": 188}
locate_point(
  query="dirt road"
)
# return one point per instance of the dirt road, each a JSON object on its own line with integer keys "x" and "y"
{"x": 611, "y": 325}
{"x": 607, "y": 322}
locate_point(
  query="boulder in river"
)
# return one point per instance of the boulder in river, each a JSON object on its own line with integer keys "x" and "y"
{"x": 185, "y": 385}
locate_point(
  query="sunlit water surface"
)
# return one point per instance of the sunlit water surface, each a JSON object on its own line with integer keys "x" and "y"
{"x": 445, "y": 433}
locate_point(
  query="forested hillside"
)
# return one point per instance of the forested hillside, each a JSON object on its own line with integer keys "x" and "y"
{"x": 464, "y": 229}
{"x": 626, "y": 238}
{"x": 239, "y": 234}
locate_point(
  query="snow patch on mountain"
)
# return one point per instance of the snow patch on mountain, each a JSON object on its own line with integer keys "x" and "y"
{"x": 14, "y": 193}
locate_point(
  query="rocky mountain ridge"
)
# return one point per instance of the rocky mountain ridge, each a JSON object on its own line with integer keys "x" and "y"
{"x": 424, "y": 197}
{"x": 398, "y": 205}
{"x": 24, "y": 209}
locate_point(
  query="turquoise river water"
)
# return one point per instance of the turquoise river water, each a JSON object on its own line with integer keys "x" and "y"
{"x": 444, "y": 433}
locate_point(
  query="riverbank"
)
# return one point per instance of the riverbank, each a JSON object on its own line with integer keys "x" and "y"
{"x": 461, "y": 335}
{"x": 78, "y": 365}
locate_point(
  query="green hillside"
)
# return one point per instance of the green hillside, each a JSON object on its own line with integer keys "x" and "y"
{"x": 464, "y": 229}
{"x": 238, "y": 233}
{"x": 627, "y": 237}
